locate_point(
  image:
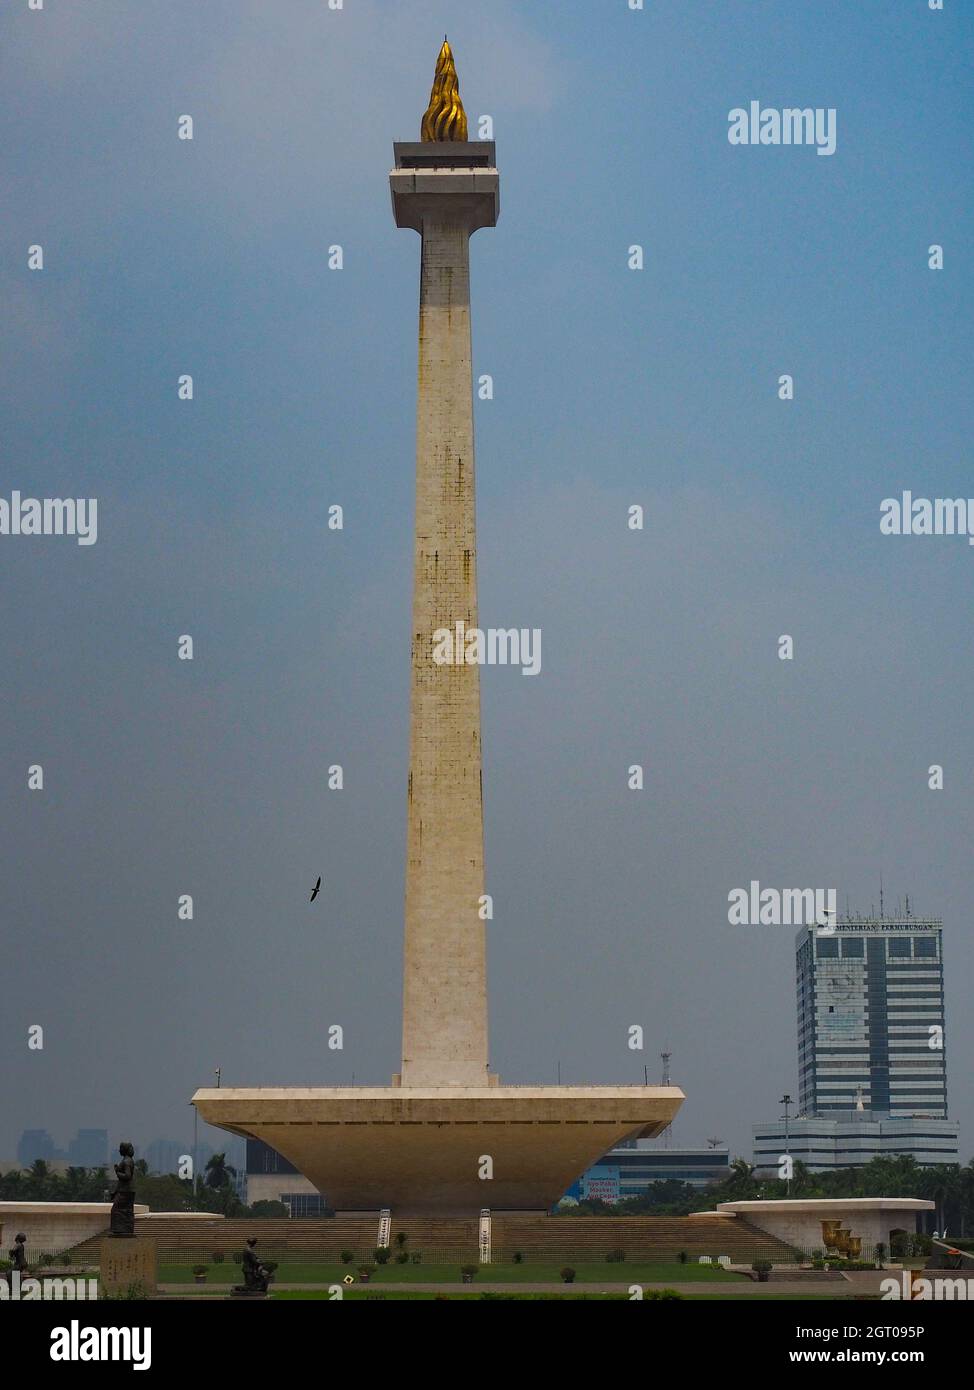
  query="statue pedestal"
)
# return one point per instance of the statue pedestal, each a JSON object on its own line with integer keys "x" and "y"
{"x": 127, "y": 1265}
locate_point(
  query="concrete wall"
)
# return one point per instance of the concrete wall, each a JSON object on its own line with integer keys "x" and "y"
{"x": 800, "y": 1223}
{"x": 51, "y": 1227}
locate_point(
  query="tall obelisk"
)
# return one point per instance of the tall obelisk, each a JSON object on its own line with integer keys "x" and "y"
{"x": 417, "y": 1147}
{"x": 444, "y": 187}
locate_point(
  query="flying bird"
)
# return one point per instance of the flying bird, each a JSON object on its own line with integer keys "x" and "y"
{"x": 316, "y": 889}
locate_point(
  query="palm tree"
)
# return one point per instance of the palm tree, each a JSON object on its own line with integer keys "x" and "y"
{"x": 75, "y": 1182}
{"x": 740, "y": 1179}
{"x": 219, "y": 1173}
{"x": 802, "y": 1180}
{"x": 39, "y": 1180}
{"x": 941, "y": 1185}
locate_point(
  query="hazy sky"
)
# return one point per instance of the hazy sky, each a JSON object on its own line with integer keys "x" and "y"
{"x": 612, "y": 387}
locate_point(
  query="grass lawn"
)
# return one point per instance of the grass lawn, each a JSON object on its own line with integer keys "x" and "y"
{"x": 626, "y": 1273}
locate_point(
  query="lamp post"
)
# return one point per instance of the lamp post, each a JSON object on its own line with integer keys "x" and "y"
{"x": 786, "y": 1101}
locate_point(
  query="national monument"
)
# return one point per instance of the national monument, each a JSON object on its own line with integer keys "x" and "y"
{"x": 418, "y": 1145}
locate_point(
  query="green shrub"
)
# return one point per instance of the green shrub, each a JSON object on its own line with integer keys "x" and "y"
{"x": 615, "y": 1257}
{"x": 567, "y": 1275}
{"x": 382, "y": 1253}
{"x": 402, "y": 1258}
{"x": 661, "y": 1295}
{"x": 518, "y": 1257}
{"x": 218, "y": 1257}
{"x": 134, "y": 1293}
{"x": 683, "y": 1257}
{"x": 347, "y": 1256}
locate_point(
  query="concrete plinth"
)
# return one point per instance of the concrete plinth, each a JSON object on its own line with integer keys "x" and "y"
{"x": 422, "y": 1151}
{"x": 127, "y": 1263}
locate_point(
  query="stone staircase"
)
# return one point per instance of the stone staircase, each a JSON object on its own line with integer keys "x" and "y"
{"x": 454, "y": 1240}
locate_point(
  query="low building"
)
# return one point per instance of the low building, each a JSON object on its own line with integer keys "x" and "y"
{"x": 630, "y": 1168}
{"x": 271, "y": 1178}
{"x": 850, "y": 1141}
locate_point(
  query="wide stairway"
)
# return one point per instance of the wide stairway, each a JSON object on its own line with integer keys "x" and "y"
{"x": 448, "y": 1240}
{"x": 645, "y": 1238}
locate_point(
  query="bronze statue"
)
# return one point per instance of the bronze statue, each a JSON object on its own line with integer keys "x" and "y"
{"x": 256, "y": 1277}
{"x": 123, "y": 1198}
{"x": 18, "y": 1258}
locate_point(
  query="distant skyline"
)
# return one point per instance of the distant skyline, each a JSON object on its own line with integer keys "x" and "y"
{"x": 612, "y": 387}
{"x": 161, "y": 1154}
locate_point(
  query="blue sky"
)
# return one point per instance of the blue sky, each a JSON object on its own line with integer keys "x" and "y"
{"x": 612, "y": 387}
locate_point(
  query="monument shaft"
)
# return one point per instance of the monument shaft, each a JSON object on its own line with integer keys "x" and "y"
{"x": 444, "y": 1036}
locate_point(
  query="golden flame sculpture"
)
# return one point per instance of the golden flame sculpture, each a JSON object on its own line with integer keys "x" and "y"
{"x": 445, "y": 117}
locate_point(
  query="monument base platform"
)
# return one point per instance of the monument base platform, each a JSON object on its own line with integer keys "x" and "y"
{"x": 127, "y": 1265}
{"x": 442, "y": 1150}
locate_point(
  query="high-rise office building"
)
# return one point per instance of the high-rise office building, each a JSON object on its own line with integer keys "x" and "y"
{"x": 871, "y": 1018}
{"x": 34, "y": 1144}
{"x": 89, "y": 1148}
{"x": 872, "y": 1076}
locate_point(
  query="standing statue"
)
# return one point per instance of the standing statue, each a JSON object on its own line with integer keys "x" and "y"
{"x": 18, "y": 1258}
{"x": 256, "y": 1276}
{"x": 123, "y": 1198}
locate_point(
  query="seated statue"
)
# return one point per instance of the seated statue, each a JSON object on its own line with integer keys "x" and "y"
{"x": 123, "y": 1198}
{"x": 256, "y": 1277}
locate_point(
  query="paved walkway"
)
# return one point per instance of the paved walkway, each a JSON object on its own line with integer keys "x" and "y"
{"x": 738, "y": 1288}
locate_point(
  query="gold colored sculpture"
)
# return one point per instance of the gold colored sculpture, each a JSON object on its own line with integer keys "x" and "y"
{"x": 838, "y": 1239}
{"x": 829, "y": 1229}
{"x": 445, "y": 117}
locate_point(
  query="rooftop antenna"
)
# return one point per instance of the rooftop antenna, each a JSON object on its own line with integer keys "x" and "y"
{"x": 907, "y": 904}
{"x": 880, "y": 897}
